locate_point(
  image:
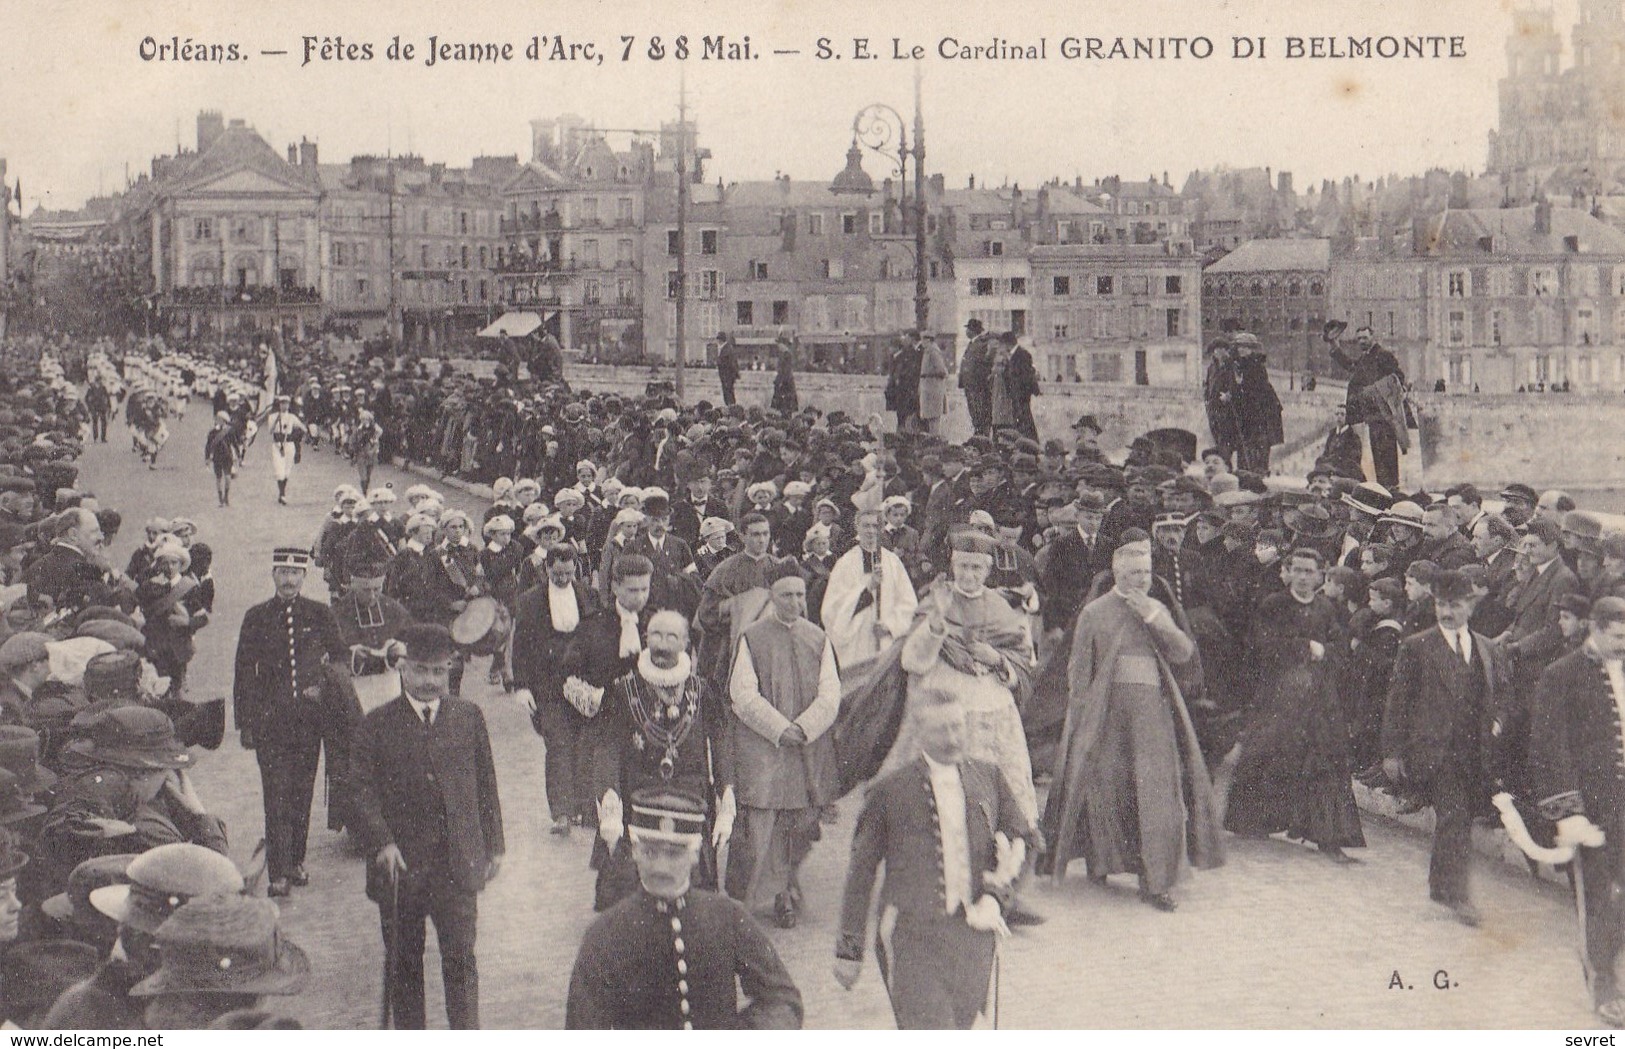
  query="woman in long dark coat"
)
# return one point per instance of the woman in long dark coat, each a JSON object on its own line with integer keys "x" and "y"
{"x": 784, "y": 383}
{"x": 1293, "y": 772}
{"x": 1022, "y": 378}
{"x": 1258, "y": 408}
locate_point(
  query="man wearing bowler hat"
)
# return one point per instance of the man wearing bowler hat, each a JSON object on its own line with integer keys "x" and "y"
{"x": 670, "y": 956}
{"x": 426, "y": 811}
{"x": 282, "y": 698}
{"x": 1446, "y": 700}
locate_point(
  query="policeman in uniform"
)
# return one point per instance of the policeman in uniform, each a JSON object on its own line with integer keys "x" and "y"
{"x": 287, "y": 431}
{"x": 290, "y": 656}
{"x": 668, "y": 956}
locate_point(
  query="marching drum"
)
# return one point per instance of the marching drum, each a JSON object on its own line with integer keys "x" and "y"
{"x": 483, "y": 627}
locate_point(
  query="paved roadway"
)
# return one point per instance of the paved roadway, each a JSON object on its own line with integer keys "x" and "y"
{"x": 1277, "y": 938}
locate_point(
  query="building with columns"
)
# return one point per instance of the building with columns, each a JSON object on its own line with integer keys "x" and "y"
{"x": 232, "y": 234}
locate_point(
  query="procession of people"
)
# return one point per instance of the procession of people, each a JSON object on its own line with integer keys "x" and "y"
{"x": 733, "y": 627}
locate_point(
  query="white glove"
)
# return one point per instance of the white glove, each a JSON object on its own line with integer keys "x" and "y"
{"x": 525, "y": 699}
{"x": 726, "y": 811}
{"x": 984, "y": 916}
{"x": 1009, "y": 857}
{"x": 609, "y": 818}
{"x": 1578, "y": 830}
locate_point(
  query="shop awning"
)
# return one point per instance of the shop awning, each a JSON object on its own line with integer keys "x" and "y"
{"x": 515, "y": 325}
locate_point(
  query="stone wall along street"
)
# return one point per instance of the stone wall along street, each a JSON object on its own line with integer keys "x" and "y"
{"x": 1564, "y": 440}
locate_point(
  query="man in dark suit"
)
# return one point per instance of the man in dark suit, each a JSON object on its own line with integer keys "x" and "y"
{"x": 952, "y": 839}
{"x": 1533, "y": 640}
{"x": 1072, "y": 561}
{"x": 949, "y": 503}
{"x": 1021, "y": 378}
{"x": 1447, "y": 690}
{"x": 675, "y": 582}
{"x": 1493, "y": 540}
{"x": 1442, "y": 543}
{"x": 1577, "y": 761}
{"x": 68, "y": 572}
{"x": 976, "y": 376}
{"x": 283, "y": 702}
{"x": 687, "y": 513}
{"x": 727, "y": 366}
{"x": 427, "y": 813}
{"x": 607, "y": 643}
{"x": 546, "y": 621}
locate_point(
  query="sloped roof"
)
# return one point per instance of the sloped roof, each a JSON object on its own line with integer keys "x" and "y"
{"x": 535, "y": 172}
{"x": 780, "y": 193}
{"x": 1464, "y": 232}
{"x": 239, "y": 148}
{"x": 1066, "y": 202}
{"x": 1263, "y": 256}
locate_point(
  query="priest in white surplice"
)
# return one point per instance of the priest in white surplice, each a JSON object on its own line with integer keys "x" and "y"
{"x": 869, "y": 601}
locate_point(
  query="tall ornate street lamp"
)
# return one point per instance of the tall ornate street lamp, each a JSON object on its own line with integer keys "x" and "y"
{"x": 881, "y": 129}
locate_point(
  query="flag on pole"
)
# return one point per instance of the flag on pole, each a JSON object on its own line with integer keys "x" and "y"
{"x": 270, "y": 374}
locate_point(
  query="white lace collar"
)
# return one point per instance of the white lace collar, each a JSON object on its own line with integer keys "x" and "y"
{"x": 662, "y": 677}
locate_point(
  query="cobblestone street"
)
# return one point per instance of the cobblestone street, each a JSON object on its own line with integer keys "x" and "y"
{"x": 1277, "y": 938}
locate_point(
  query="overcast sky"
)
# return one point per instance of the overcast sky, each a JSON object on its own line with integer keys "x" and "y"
{"x": 80, "y": 103}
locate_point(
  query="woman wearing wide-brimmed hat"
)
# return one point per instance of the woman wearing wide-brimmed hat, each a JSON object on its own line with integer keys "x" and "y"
{"x": 124, "y": 786}
{"x": 219, "y": 954}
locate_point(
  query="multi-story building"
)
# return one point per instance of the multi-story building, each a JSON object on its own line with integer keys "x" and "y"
{"x": 706, "y": 306}
{"x": 1523, "y": 297}
{"x": 994, "y": 230}
{"x": 232, "y": 233}
{"x": 411, "y": 247}
{"x": 573, "y": 228}
{"x": 992, "y": 233}
{"x": 833, "y": 266}
{"x": 1382, "y": 283}
{"x": 1275, "y": 289}
{"x": 1116, "y": 313}
{"x": 1148, "y": 212}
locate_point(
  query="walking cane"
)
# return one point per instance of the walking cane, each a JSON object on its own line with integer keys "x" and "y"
{"x": 997, "y": 953}
{"x": 391, "y": 954}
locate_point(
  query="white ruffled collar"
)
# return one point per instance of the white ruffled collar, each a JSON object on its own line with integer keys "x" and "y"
{"x": 662, "y": 677}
